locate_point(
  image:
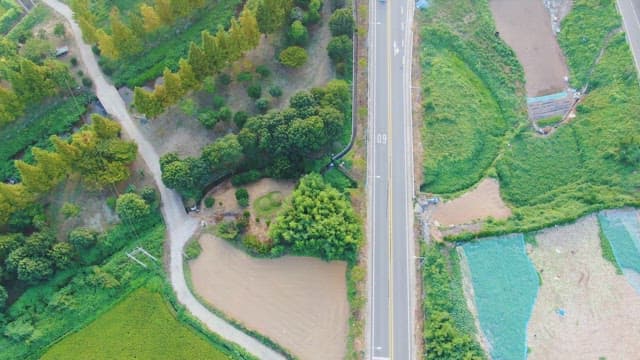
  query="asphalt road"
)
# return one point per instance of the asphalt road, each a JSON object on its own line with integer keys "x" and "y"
{"x": 630, "y": 10}
{"x": 390, "y": 182}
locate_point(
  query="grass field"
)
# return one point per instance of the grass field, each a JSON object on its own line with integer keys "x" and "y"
{"x": 141, "y": 326}
{"x": 268, "y": 205}
{"x": 473, "y": 93}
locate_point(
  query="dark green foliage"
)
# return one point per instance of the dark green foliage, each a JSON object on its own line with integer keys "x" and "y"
{"x": 342, "y": 22}
{"x": 298, "y": 34}
{"x": 243, "y": 197}
{"x": 224, "y": 79}
{"x": 254, "y": 91}
{"x": 240, "y": 118}
{"x": 448, "y": 328}
{"x": 340, "y": 49}
{"x": 3, "y": 297}
{"x": 209, "y": 202}
{"x": 82, "y": 238}
{"x": 334, "y": 231}
{"x": 208, "y": 118}
{"x": 338, "y": 180}
{"x": 263, "y": 71}
{"x": 187, "y": 176}
{"x": 262, "y": 105}
{"x": 275, "y": 91}
{"x": 227, "y": 230}
{"x": 244, "y": 76}
{"x": 246, "y": 178}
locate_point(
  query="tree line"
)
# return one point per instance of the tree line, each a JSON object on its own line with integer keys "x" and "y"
{"x": 213, "y": 54}
{"x": 96, "y": 153}
{"x": 282, "y": 144}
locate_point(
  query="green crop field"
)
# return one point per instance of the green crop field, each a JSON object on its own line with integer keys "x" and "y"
{"x": 141, "y": 326}
{"x": 472, "y": 86}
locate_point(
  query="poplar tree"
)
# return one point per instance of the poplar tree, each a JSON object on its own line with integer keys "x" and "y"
{"x": 150, "y": 18}
{"x": 163, "y": 9}
{"x": 249, "y": 26}
{"x": 146, "y": 103}
{"x": 68, "y": 153}
{"x": 33, "y": 177}
{"x": 173, "y": 87}
{"x": 11, "y": 106}
{"x": 198, "y": 61}
{"x": 52, "y": 164}
{"x": 123, "y": 37}
{"x": 187, "y": 76}
{"x": 213, "y": 54}
{"x": 106, "y": 45}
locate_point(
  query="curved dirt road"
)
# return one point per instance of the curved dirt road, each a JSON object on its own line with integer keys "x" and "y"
{"x": 180, "y": 226}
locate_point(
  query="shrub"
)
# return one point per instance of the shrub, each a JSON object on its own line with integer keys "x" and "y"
{"x": 254, "y": 91}
{"x": 262, "y": 105}
{"x": 149, "y": 195}
{"x": 224, "y": 79}
{"x": 227, "y": 230}
{"x": 242, "y": 195}
{"x": 244, "y": 76}
{"x": 293, "y": 56}
{"x": 240, "y": 118}
{"x": 59, "y": 30}
{"x": 342, "y": 23}
{"x": 218, "y": 102}
{"x": 73, "y": 61}
{"x": 208, "y": 118}
{"x": 70, "y": 210}
{"x": 209, "y": 202}
{"x": 246, "y": 178}
{"x": 131, "y": 207}
{"x": 263, "y": 71}
{"x": 298, "y": 34}
{"x": 111, "y": 202}
{"x": 82, "y": 237}
{"x": 275, "y": 91}
{"x": 192, "y": 250}
{"x": 86, "y": 82}
{"x": 225, "y": 114}
{"x": 255, "y": 246}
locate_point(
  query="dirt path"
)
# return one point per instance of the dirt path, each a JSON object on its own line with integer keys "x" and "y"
{"x": 300, "y": 302}
{"x": 477, "y": 204}
{"x": 602, "y": 309}
{"x": 526, "y": 26}
{"x": 180, "y": 227}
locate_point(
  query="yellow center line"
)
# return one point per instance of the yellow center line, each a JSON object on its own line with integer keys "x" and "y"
{"x": 390, "y": 177}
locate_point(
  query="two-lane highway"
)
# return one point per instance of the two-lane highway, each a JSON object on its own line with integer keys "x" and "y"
{"x": 390, "y": 182}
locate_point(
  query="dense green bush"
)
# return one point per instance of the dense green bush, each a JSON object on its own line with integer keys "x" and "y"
{"x": 242, "y": 195}
{"x": 342, "y": 22}
{"x": 209, "y": 201}
{"x": 246, "y": 178}
{"x": 275, "y": 91}
{"x": 254, "y": 91}
{"x": 293, "y": 56}
{"x": 192, "y": 250}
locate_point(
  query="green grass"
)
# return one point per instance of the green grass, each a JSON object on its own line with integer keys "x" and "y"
{"x": 549, "y": 121}
{"x": 141, "y": 326}
{"x": 473, "y": 91}
{"x": 268, "y": 205}
{"x": 168, "y": 47}
{"x": 10, "y": 14}
{"x": 35, "y": 128}
{"x": 463, "y": 125}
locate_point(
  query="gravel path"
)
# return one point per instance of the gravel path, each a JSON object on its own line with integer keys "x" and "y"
{"x": 180, "y": 226}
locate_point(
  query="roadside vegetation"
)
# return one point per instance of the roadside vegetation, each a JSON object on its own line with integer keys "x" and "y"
{"x": 10, "y": 14}
{"x": 449, "y": 330}
{"x": 472, "y": 86}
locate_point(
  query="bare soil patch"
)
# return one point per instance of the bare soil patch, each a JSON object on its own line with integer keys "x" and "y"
{"x": 602, "y": 308}
{"x": 477, "y": 204}
{"x": 227, "y": 205}
{"x": 299, "y": 302}
{"x": 526, "y": 26}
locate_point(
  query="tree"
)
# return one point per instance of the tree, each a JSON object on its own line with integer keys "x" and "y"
{"x": 242, "y": 196}
{"x": 62, "y": 254}
{"x": 271, "y": 14}
{"x": 250, "y": 30}
{"x": 150, "y": 18}
{"x": 342, "y": 23}
{"x": 34, "y": 269}
{"x": 82, "y": 237}
{"x": 298, "y": 34}
{"x": 89, "y": 31}
{"x": 198, "y": 60}
{"x": 319, "y": 222}
{"x": 164, "y": 10}
{"x": 33, "y": 177}
{"x": 52, "y": 164}
{"x": 131, "y": 207}
{"x": 187, "y": 76}
{"x": 340, "y": 49}
{"x": 31, "y": 83}
{"x": 173, "y": 87}
{"x": 147, "y": 103}
{"x": 254, "y": 91}
{"x": 177, "y": 175}
{"x": 124, "y": 39}
{"x": 333, "y": 121}
{"x": 307, "y": 135}
{"x": 224, "y": 153}
{"x": 37, "y": 50}
{"x": 293, "y": 56}
{"x": 11, "y": 107}
{"x": 107, "y": 45}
